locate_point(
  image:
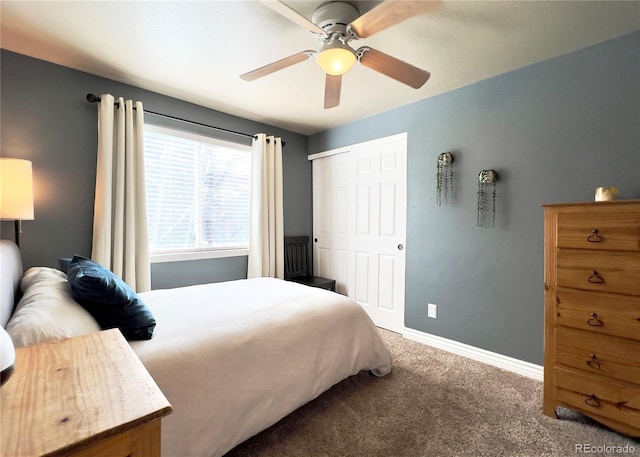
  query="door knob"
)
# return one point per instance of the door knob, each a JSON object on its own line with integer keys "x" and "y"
{"x": 400, "y": 247}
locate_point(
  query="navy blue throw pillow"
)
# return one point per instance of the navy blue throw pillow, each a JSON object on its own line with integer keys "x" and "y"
{"x": 64, "y": 262}
{"x": 109, "y": 299}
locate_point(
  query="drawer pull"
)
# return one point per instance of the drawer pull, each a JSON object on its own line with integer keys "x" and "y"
{"x": 594, "y": 362}
{"x": 593, "y": 401}
{"x": 594, "y": 237}
{"x": 595, "y": 279}
{"x": 594, "y": 321}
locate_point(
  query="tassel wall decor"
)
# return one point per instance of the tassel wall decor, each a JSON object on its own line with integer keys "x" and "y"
{"x": 444, "y": 178}
{"x": 486, "y": 185}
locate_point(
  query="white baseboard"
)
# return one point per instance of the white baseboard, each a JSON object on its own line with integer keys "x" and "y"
{"x": 520, "y": 367}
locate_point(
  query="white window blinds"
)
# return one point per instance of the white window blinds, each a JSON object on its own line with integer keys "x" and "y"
{"x": 198, "y": 192}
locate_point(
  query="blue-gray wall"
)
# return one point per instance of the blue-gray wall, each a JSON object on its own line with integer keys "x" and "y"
{"x": 45, "y": 118}
{"x": 553, "y": 131}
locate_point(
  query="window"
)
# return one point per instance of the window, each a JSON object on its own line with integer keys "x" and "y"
{"x": 198, "y": 195}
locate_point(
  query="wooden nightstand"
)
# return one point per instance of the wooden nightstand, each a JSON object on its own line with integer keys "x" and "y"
{"x": 84, "y": 396}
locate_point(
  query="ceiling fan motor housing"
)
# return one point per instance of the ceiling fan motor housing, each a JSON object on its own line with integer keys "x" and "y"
{"x": 333, "y": 17}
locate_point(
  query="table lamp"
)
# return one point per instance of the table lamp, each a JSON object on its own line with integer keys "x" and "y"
{"x": 16, "y": 192}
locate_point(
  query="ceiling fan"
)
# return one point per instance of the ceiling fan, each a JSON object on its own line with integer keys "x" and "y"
{"x": 336, "y": 24}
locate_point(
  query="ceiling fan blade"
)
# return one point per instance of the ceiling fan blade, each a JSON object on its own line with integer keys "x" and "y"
{"x": 332, "y": 85}
{"x": 389, "y": 13}
{"x": 291, "y": 14}
{"x": 278, "y": 65}
{"x": 392, "y": 67}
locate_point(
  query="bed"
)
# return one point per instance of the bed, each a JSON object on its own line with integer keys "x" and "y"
{"x": 232, "y": 358}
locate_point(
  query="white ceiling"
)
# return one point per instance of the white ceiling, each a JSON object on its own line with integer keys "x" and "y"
{"x": 196, "y": 50}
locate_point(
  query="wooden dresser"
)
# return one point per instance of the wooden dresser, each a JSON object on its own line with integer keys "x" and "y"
{"x": 88, "y": 396}
{"x": 592, "y": 312}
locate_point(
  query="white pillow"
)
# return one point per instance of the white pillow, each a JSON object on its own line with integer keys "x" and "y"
{"x": 34, "y": 274}
{"x": 47, "y": 311}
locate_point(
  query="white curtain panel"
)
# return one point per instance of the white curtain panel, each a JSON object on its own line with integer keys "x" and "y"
{"x": 120, "y": 236}
{"x": 266, "y": 239}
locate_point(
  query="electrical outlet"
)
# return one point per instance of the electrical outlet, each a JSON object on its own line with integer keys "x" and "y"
{"x": 432, "y": 311}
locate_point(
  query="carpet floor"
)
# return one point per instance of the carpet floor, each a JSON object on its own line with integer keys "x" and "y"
{"x": 434, "y": 404}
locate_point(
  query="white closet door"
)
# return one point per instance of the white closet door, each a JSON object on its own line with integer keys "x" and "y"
{"x": 331, "y": 222}
{"x": 359, "y": 213}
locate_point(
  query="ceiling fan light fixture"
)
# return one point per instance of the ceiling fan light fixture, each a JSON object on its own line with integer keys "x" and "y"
{"x": 336, "y": 58}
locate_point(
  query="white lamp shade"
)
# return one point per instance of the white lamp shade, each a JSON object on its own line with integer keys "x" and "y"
{"x": 336, "y": 58}
{"x": 16, "y": 189}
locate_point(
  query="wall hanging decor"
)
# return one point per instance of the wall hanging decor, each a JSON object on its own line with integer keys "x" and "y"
{"x": 486, "y": 185}
{"x": 444, "y": 178}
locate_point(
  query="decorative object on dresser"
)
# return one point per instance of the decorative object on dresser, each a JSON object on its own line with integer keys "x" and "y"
{"x": 16, "y": 192}
{"x": 444, "y": 178}
{"x": 605, "y": 194}
{"x": 486, "y": 183}
{"x": 592, "y": 311}
{"x": 67, "y": 398}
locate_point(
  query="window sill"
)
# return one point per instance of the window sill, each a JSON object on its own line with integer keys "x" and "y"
{"x": 197, "y": 255}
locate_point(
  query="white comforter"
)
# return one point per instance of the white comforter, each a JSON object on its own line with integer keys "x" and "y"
{"x": 234, "y": 358}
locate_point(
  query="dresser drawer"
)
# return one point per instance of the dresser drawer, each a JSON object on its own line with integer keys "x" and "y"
{"x": 615, "y": 230}
{"x": 606, "y": 271}
{"x": 599, "y": 354}
{"x": 612, "y": 314}
{"x": 615, "y": 400}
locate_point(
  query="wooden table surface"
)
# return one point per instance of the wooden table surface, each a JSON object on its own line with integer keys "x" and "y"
{"x": 66, "y": 396}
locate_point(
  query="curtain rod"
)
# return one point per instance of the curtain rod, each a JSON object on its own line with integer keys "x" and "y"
{"x": 91, "y": 98}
